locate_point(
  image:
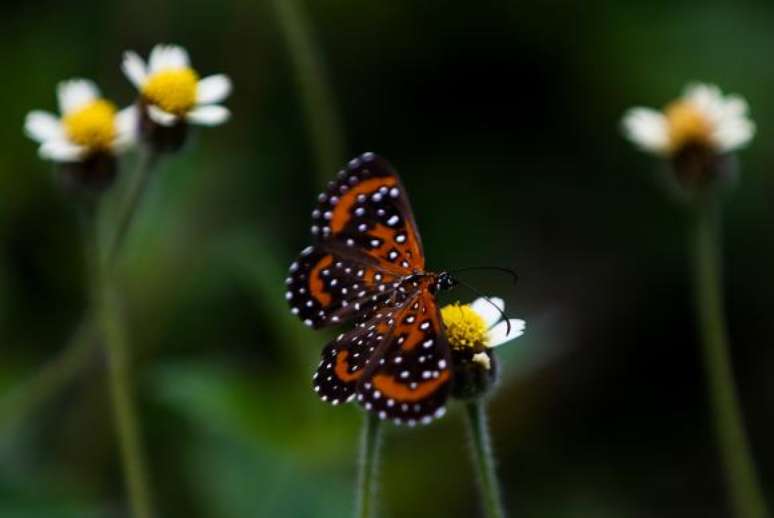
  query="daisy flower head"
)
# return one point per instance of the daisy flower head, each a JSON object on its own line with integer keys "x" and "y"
{"x": 171, "y": 93}
{"x": 696, "y": 132}
{"x": 87, "y": 135}
{"x": 473, "y": 331}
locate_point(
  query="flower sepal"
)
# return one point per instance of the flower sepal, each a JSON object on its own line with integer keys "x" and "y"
{"x": 695, "y": 170}
{"x": 93, "y": 175}
{"x": 475, "y": 373}
{"x": 162, "y": 138}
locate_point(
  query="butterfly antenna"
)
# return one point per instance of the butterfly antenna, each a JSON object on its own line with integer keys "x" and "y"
{"x": 512, "y": 273}
{"x": 502, "y": 313}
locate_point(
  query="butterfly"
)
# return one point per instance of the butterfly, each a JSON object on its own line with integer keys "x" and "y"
{"x": 366, "y": 265}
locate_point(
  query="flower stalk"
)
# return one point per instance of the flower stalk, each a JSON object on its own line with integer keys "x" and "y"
{"x": 113, "y": 329}
{"x": 368, "y": 464}
{"x": 484, "y": 458}
{"x": 138, "y": 185}
{"x": 111, "y": 334}
{"x": 312, "y": 80}
{"x": 744, "y": 488}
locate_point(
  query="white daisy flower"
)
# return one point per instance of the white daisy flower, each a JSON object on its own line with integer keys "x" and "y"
{"x": 172, "y": 90}
{"x": 479, "y": 324}
{"x": 702, "y": 116}
{"x": 88, "y": 124}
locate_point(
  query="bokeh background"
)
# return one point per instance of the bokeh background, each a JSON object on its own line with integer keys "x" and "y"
{"x": 503, "y": 118}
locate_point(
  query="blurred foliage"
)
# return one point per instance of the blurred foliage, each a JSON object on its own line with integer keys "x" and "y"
{"x": 503, "y": 119}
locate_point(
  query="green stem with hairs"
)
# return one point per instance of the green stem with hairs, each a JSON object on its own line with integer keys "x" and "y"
{"x": 744, "y": 488}
{"x": 484, "y": 459}
{"x": 368, "y": 464}
{"x": 312, "y": 81}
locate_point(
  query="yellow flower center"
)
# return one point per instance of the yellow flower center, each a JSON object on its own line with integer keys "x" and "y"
{"x": 687, "y": 125}
{"x": 464, "y": 327}
{"x": 173, "y": 91}
{"x": 92, "y": 126}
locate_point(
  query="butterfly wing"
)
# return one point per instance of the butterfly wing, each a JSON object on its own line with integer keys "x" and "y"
{"x": 365, "y": 240}
{"x": 346, "y": 359}
{"x": 410, "y": 376}
{"x": 366, "y": 247}
{"x": 326, "y": 288}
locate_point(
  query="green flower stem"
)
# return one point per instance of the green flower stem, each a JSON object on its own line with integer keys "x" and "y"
{"x": 369, "y": 460}
{"x": 484, "y": 459}
{"x": 114, "y": 334}
{"x": 112, "y": 326}
{"x": 743, "y": 486}
{"x": 137, "y": 187}
{"x": 312, "y": 81}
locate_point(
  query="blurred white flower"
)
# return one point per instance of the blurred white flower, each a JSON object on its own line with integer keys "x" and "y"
{"x": 172, "y": 90}
{"x": 479, "y": 324}
{"x": 703, "y": 116}
{"x": 88, "y": 124}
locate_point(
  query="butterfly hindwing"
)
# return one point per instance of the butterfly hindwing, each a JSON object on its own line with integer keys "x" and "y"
{"x": 410, "y": 381}
{"x": 345, "y": 360}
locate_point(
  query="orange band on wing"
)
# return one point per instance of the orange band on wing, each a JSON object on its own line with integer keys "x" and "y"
{"x": 413, "y": 336}
{"x": 341, "y": 214}
{"x": 390, "y": 388}
{"x": 412, "y": 333}
{"x": 386, "y": 235}
{"x": 341, "y": 368}
{"x": 316, "y": 286}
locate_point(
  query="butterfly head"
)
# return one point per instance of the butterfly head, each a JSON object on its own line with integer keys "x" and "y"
{"x": 445, "y": 281}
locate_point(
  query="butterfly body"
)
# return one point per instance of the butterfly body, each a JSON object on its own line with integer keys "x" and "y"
{"x": 366, "y": 265}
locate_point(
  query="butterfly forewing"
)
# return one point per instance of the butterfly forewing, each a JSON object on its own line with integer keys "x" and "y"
{"x": 367, "y": 210}
{"x": 325, "y": 288}
{"x": 365, "y": 241}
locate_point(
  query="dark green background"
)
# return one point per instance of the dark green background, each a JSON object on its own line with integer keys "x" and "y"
{"x": 503, "y": 118}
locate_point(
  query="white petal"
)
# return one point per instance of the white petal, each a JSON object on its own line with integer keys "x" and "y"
{"x": 498, "y": 334}
{"x": 59, "y": 150}
{"x": 734, "y": 107}
{"x": 734, "y": 134}
{"x": 177, "y": 57}
{"x": 210, "y": 115}
{"x": 42, "y": 126}
{"x": 75, "y": 93}
{"x": 155, "y": 60}
{"x": 647, "y": 129}
{"x": 167, "y": 56}
{"x": 488, "y": 312}
{"x": 705, "y": 97}
{"x": 127, "y": 123}
{"x": 159, "y": 116}
{"x": 134, "y": 68}
{"x": 213, "y": 89}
